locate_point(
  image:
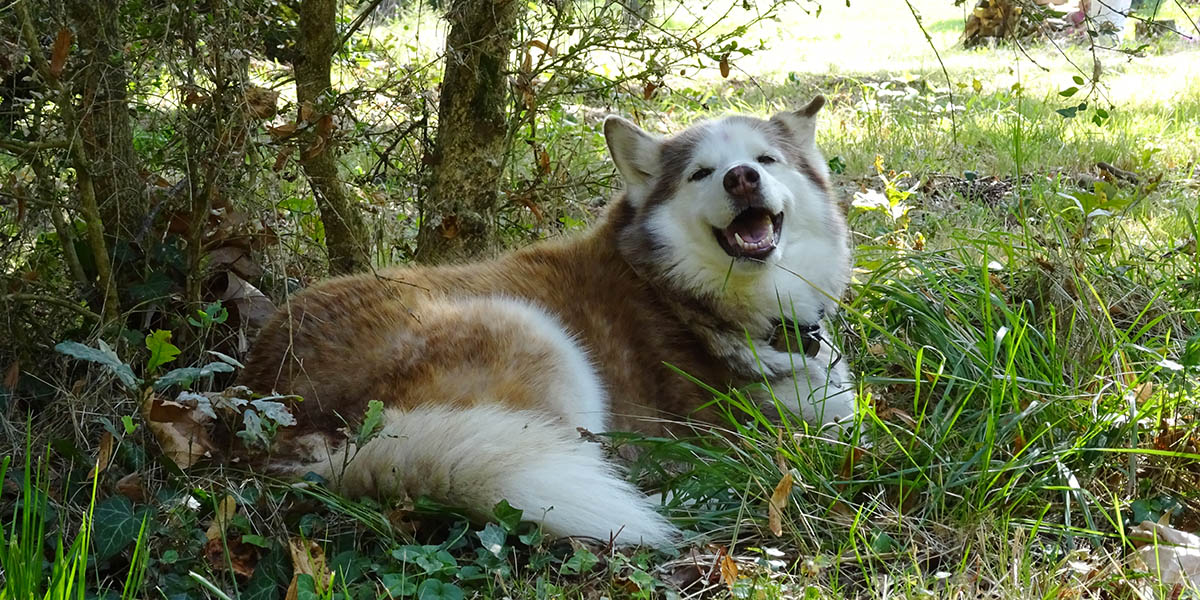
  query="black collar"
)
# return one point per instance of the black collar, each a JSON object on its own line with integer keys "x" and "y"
{"x": 809, "y": 335}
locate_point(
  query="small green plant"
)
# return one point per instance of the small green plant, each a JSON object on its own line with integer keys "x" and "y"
{"x": 26, "y": 573}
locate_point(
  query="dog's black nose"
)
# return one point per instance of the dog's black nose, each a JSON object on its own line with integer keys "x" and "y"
{"x": 741, "y": 180}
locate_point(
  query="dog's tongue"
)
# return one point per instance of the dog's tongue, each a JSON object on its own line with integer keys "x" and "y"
{"x": 752, "y": 225}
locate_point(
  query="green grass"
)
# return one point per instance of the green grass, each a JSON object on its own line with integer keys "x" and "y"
{"x": 1024, "y": 335}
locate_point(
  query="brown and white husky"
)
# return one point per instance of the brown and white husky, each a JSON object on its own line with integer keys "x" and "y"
{"x": 723, "y": 232}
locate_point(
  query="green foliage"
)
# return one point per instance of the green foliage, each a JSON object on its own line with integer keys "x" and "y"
{"x": 371, "y": 424}
{"x": 162, "y": 351}
{"x": 116, "y": 526}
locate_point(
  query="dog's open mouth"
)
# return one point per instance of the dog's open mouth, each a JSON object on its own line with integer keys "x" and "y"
{"x": 754, "y": 233}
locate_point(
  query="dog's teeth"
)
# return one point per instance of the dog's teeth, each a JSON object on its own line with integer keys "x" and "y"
{"x": 740, "y": 242}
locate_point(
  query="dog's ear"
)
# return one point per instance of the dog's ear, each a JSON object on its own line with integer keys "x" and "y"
{"x": 802, "y": 124}
{"x": 633, "y": 150}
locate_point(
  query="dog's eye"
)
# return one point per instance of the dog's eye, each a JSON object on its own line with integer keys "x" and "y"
{"x": 700, "y": 174}
{"x": 766, "y": 159}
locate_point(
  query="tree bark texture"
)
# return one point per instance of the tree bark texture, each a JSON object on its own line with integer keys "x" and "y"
{"x": 104, "y": 124}
{"x": 344, "y": 232}
{"x": 458, "y": 219}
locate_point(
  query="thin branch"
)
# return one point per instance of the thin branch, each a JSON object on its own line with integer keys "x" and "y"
{"x": 949, "y": 84}
{"x": 56, "y": 301}
{"x": 87, "y": 191}
{"x": 19, "y": 147}
{"x": 1188, "y": 17}
{"x": 357, "y": 22}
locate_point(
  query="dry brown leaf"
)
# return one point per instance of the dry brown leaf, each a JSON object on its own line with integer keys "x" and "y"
{"x": 315, "y": 148}
{"x": 648, "y": 90}
{"x": 307, "y": 559}
{"x": 725, "y": 65}
{"x": 729, "y": 570}
{"x": 226, "y": 509}
{"x": 306, "y": 112}
{"x": 1170, "y": 554}
{"x": 168, "y": 411}
{"x": 1144, "y": 392}
{"x": 543, "y": 162}
{"x": 544, "y": 47}
{"x": 321, "y": 139}
{"x": 779, "y": 500}
{"x": 876, "y": 349}
{"x": 253, "y": 307}
{"x": 131, "y": 486}
{"x": 185, "y": 441}
{"x": 58, "y": 56}
{"x": 261, "y": 102}
{"x": 103, "y": 456}
{"x": 283, "y": 131}
{"x": 232, "y": 554}
{"x": 12, "y": 375}
{"x": 281, "y": 158}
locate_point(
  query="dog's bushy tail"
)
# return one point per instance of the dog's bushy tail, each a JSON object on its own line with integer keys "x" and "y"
{"x": 474, "y": 457}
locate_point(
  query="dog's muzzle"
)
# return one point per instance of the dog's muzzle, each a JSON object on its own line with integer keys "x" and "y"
{"x": 754, "y": 232}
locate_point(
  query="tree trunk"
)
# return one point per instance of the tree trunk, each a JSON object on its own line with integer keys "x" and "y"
{"x": 104, "y": 124}
{"x": 344, "y": 232}
{"x": 458, "y": 218}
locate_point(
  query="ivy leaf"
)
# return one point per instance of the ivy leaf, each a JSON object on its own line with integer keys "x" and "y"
{"x": 186, "y": 375}
{"x": 432, "y": 589}
{"x": 493, "y": 537}
{"x": 581, "y": 562}
{"x": 398, "y": 584}
{"x": 114, "y": 526}
{"x": 162, "y": 351}
{"x": 103, "y": 356}
{"x": 508, "y": 516}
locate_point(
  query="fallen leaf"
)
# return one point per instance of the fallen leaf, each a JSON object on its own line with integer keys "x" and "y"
{"x": 729, "y": 570}
{"x": 131, "y": 486}
{"x": 307, "y": 559}
{"x": 779, "y": 499}
{"x": 232, "y": 554}
{"x": 104, "y": 456}
{"x": 253, "y": 307}
{"x": 182, "y": 432}
{"x": 58, "y": 56}
{"x": 226, "y": 509}
{"x": 1170, "y": 554}
{"x": 12, "y": 375}
{"x": 1144, "y": 392}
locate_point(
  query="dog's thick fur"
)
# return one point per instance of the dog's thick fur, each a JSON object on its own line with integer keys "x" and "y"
{"x": 486, "y": 370}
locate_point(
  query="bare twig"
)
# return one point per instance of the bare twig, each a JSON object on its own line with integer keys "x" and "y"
{"x": 87, "y": 192}
{"x": 949, "y": 84}
{"x": 358, "y": 22}
{"x": 19, "y": 147}
{"x": 1188, "y": 17}
{"x": 56, "y": 301}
